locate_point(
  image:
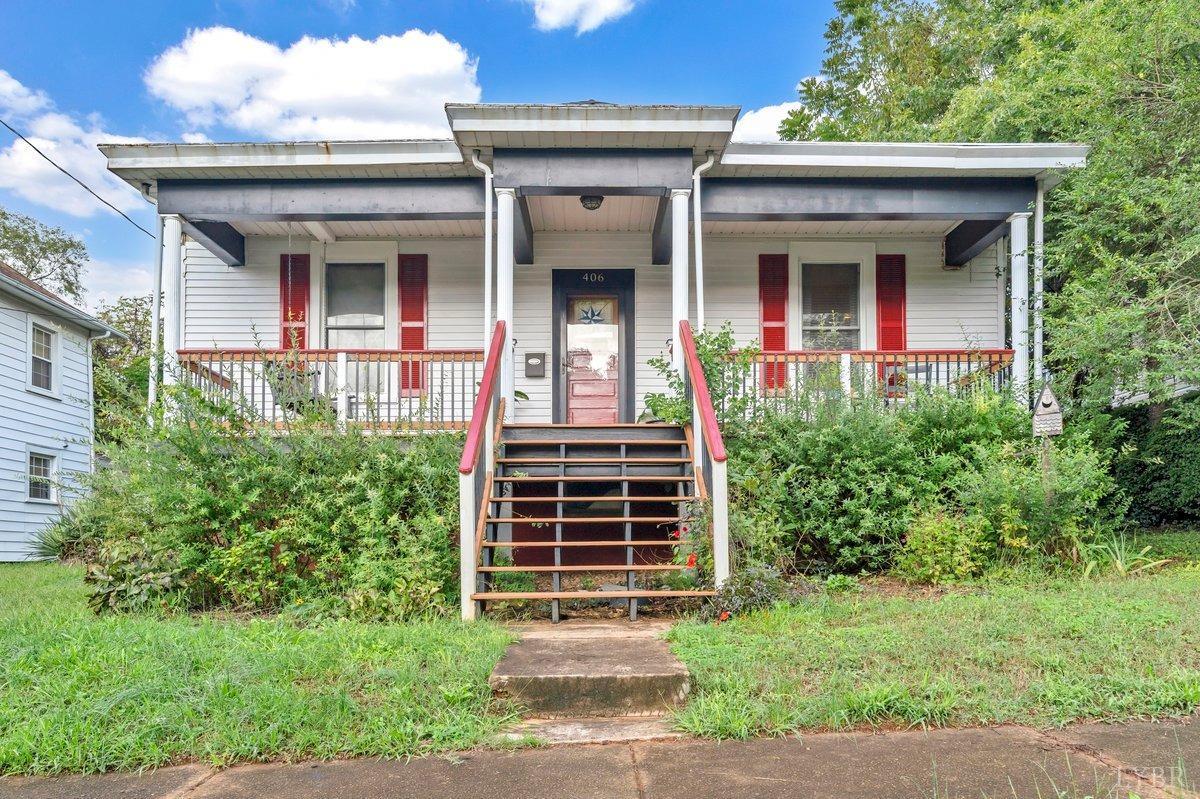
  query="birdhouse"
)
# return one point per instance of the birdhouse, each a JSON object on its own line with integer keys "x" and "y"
{"x": 1047, "y": 414}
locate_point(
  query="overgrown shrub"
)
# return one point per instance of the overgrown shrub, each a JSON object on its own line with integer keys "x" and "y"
{"x": 1161, "y": 469}
{"x": 842, "y": 486}
{"x": 749, "y": 589}
{"x": 839, "y": 490}
{"x": 725, "y": 368}
{"x": 328, "y": 522}
{"x": 1026, "y": 507}
{"x": 943, "y": 547}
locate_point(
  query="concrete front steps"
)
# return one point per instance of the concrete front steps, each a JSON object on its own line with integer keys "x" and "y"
{"x": 591, "y": 681}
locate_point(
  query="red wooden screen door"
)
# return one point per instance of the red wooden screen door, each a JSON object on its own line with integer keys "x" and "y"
{"x": 593, "y": 360}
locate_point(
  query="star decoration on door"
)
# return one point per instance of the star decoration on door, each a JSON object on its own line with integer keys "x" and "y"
{"x": 591, "y": 316}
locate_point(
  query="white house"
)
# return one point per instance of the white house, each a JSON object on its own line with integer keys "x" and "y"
{"x": 363, "y": 275}
{"x": 45, "y": 406}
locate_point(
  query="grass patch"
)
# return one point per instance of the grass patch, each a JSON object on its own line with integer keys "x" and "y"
{"x": 84, "y": 693}
{"x": 1043, "y": 654}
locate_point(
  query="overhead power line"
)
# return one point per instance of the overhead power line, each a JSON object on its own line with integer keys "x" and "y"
{"x": 85, "y": 186}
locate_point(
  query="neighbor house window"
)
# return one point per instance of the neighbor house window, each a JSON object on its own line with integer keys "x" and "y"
{"x": 830, "y": 315}
{"x": 41, "y": 358}
{"x": 41, "y": 477}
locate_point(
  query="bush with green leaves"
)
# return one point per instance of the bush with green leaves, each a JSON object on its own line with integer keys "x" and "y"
{"x": 750, "y": 589}
{"x": 725, "y": 368}
{"x": 1161, "y": 467}
{"x": 944, "y": 547}
{"x": 856, "y": 486}
{"x": 1028, "y": 504}
{"x": 318, "y": 521}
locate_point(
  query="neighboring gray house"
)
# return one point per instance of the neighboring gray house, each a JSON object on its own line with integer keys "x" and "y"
{"x": 45, "y": 406}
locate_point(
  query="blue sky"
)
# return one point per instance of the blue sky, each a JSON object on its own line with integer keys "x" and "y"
{"x": 73, "y": 74}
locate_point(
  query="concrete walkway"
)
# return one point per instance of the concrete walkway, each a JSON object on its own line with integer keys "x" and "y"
{"x": 1142, "y": 759}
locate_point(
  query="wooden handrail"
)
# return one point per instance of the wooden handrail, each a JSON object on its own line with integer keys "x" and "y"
{"x": 879, "y": 353}
{"x": 708, "y": 417}
{"x": 479, "y": 414}
{"x": 277, "y": 352}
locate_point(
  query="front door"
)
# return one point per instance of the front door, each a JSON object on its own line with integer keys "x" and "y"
{"x": 593, "y": 359}
{"x": 594, "y": 326}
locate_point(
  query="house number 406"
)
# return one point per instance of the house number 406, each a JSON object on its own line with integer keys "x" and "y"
{"x": 593, "y": 277}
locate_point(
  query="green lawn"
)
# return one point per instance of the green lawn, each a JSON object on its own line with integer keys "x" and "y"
{"x": 81, "y": 693}
{"x": 1043, "y": 654}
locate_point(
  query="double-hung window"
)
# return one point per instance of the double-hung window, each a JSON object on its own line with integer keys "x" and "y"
{"x": 41, "y": 478}
{"x": 830, "y": 317}
{"x": 42, "y": 346}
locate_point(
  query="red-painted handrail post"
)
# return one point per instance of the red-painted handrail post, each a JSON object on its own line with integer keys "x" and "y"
{"x": 712, "y": 454}
{"x": 471, "y": 478}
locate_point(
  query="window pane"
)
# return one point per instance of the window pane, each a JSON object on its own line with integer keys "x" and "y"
{"x": 42, "y": 351}
{"x": 43, "y": 376}
{"x": 356, "y": 339}
{"x": 41, "y": 471}
{"x": 43, "y": 343}
{"x": 830, "y": 306}
{"x": 354, "y": 295}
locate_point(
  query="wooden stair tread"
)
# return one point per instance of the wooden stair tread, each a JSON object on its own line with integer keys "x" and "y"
{"x": 601, "y": 478}
{"x": 593, "y": 426}
{"x": 646, "y": 567}
{"x": 556, "y": 499}
{"x": 582, "y": 519}
{"x": 587, "y": 594}
{"x": 598, "y": 460}
{"x": 592, "y": 442}
{"x": 652, "y": 542}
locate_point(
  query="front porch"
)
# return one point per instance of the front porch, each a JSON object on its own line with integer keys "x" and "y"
{"x": 546, "y": 266}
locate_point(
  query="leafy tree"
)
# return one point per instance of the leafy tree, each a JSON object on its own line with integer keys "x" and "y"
{"x": 1123, "y": 235}
{"x": 49, "y": 255}
{"x": 122, "y": 366}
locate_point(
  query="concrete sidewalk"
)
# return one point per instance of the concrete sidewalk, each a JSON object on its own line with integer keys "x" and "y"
{"x": 1142, "y": 759}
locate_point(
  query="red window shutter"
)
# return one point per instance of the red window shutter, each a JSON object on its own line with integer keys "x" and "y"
{"x": 414, "y": 298}
{"x": 772, "y": 303}
{"x": 890, "y": 302}
{"x": 293, "y": 301}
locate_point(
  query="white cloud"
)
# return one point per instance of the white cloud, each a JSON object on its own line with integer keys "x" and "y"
{"x": 388, "y": 87}
{"x": 762, "y": 124}
{"x": 108, "y": 280}
{"x": 71, "y": 142}
{"x": 583, "y": 15}
{"x": 196, "y": 137}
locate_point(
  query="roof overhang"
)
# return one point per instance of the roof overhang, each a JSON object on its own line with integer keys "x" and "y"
{"x": 56, "y": 307}
{"x": 141, "y": 165}
{"x": 700, "y": 128}
{"x": 1045, "y": 162}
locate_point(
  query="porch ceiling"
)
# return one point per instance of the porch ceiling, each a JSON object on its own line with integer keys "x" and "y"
{"x": 618, "y": 213}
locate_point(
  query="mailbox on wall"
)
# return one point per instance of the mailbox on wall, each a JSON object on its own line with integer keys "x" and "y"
{"x": 535, "y": 364}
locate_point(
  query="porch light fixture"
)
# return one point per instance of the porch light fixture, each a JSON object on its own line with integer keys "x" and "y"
{"x": 591, "y": 202}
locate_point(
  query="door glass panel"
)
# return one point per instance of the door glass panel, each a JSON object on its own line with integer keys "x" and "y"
{"x": 830, "y": 308}
{"x": 593, "y": 359}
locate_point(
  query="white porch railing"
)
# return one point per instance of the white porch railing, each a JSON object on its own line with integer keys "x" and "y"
{"x": 384, "y": 390}
{"x": 783, "y": 380}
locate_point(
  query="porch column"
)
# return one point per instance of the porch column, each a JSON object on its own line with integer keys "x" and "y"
{"x": 1019, "y": 238}
{"x": 506, "y": 200}
{"x": 172, "y": 242}
{"x": 1039, "y": 268}
{"x": 679, "y": 270}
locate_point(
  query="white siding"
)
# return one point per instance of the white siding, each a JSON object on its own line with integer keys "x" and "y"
{"x": 54, "y": 426}
{"x": 227, "y": 305}
{"x": 946, "y": 308}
